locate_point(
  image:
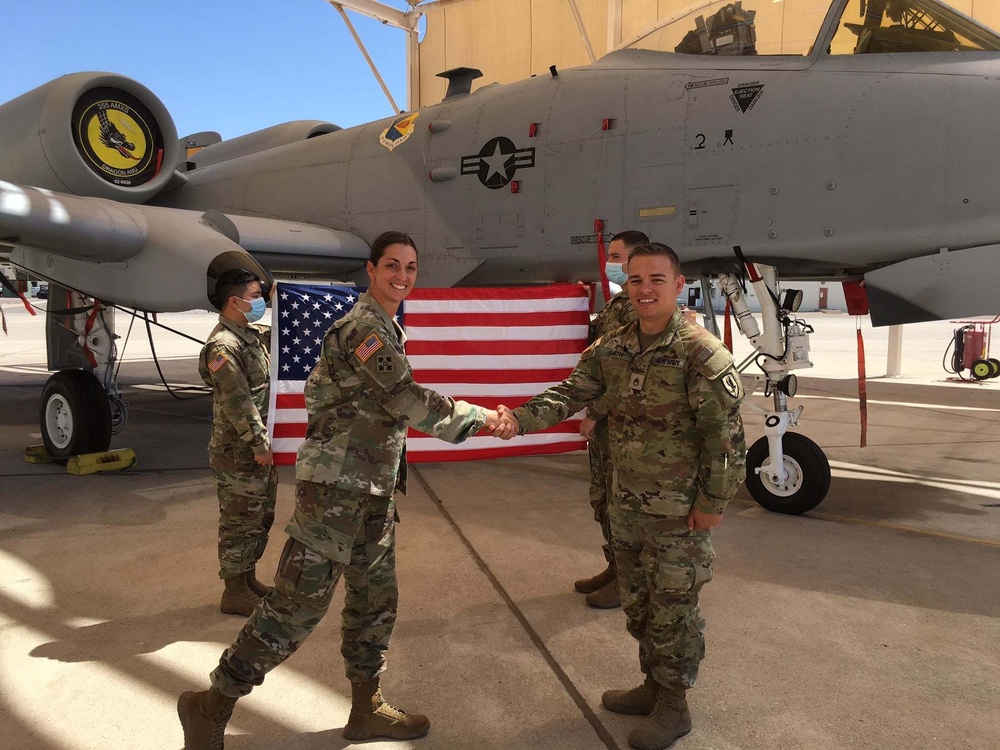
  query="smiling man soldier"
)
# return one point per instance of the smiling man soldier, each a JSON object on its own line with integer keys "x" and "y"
{"x": 678, "y": 453}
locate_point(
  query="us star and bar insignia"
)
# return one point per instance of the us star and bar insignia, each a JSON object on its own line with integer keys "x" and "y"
{"x": 368, "y": 347}
{"x": 497, "y": 162}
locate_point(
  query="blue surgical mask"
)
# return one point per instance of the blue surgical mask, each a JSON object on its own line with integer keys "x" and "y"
{"x": 615, "y": 273}
{"x": 257, "y": 308}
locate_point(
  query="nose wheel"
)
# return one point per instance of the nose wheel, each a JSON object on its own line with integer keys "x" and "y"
{"x": 802, "y": 483}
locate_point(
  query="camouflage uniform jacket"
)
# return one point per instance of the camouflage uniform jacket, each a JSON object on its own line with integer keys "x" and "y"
{"x": 673, "y": 416}
{"x": 616, "y": 313}
{"x": 235, "y": 362}
{"x": 361, "y": 398}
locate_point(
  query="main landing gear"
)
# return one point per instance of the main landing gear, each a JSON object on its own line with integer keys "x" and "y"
{"x": 786, "y": 471}
{"x": 81, "y": 406}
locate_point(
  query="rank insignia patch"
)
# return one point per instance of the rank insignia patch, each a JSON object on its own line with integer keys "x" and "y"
{"x": 368, "y": 347}
{"x": 399, "y": 131}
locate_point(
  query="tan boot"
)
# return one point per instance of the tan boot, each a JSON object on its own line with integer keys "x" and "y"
{"x": 204, "y": 716}
{"x": 258, "y": 588}
{"x": 639, "y": 701}
{"x": 238, "y": 599}
{"x": 602, "y": 579}
{"x": 372, "y": 717}
{"x": 669, "y": 720}
{"x": 607, "y": 597}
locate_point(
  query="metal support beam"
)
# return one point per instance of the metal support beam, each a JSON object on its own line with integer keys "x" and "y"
{"x": 614, "y": 24}
{"x": 364, "y": 51}
{"x": 412, "y": 70}
{"x": 380, "y": 12}
{"x": 583, "y": 29}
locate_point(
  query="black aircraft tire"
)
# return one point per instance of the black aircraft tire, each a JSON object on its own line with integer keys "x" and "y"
{"x": 808, "y": 469}
{"x": 995, "y": 365}
{"x": 74, "y": 415}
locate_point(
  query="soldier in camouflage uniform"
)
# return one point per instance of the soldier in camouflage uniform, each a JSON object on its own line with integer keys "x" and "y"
{"x": 678, "y": 453}
{"x": 235, "y": 363}
{"x": 602, "y": 590}
{"x": 361, "y": 399}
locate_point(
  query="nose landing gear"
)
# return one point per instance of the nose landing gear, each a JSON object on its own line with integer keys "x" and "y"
{"x": 786, "y": 472}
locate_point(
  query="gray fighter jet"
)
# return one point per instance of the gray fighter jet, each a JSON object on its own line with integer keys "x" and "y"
{"x": 857, "y": 144}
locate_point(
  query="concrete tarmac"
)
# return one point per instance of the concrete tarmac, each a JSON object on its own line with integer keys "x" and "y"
{"x": 872, "y": 622}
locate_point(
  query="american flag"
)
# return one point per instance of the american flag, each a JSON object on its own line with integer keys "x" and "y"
{"x": 487, "y": 346}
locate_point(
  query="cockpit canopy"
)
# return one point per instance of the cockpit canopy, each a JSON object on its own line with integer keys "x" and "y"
{"x": 792, "y": 27}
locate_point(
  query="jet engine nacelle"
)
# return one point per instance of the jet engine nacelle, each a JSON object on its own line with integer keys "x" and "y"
{"x": 262, "y": 140}
{"x": 95, "y": 134}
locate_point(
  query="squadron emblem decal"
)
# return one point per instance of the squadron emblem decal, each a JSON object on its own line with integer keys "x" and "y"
{"x": 497, "y": 162}
{"x": 400, "y": 129}
{"x": 117, "y": 137}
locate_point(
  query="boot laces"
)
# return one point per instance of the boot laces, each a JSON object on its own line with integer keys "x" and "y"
{"x": 382, "y": 706}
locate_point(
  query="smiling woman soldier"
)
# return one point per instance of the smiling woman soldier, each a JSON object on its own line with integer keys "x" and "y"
{"x": 361, "y": 399}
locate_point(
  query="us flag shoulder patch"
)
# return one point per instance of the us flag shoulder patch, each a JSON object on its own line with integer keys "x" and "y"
{"x": 368, "y": 347}
{"x": 216, "y": 364}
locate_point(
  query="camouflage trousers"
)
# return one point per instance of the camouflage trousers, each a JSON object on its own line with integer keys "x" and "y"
{"x": 661, "y": 568}
{"x": 333, "y": 532}
{"x": 246, "y": 513}
{"x": 601, "y": 481}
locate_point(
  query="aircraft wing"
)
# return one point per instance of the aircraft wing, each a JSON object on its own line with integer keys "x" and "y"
{"x": 155, "y": 258}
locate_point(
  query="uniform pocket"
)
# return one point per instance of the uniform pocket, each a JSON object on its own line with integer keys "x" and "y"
{"x": 304, "y": 575}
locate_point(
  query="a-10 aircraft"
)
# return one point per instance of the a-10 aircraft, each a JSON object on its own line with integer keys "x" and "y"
{"x": 859, "y": 145}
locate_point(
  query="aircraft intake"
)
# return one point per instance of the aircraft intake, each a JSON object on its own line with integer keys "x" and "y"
{"x": 94, "y": 134}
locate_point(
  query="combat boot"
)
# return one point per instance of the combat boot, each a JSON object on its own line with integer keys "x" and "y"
{"x": 602, "y": 579}
{"x": 204, "y": 716}
{"x": 258, "y": 588}
{"x": 372, "y": 717}
{"x": 639, "y": 701}
{"x": 238, "y": 599}
{"x": 669, "y": 720}
{"x": 607, "y": 597}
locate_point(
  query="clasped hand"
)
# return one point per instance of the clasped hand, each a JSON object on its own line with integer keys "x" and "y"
{"x": 502, "y": 423}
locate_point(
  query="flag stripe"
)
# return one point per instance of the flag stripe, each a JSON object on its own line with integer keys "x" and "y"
{"x": 474, "y": 319}
{"x": 496, "y": 333}
{"x": 505, "y": 362}
{"x": 493, "y": 376}
{"x": 450, "y": 295}
{"x": 567, "y": 346}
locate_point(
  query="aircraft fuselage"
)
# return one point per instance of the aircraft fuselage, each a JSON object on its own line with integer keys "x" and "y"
{"x": 825, "y": 169}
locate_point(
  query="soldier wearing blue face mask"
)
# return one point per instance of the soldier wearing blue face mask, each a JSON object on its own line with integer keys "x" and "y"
{"x": 602, "y": 590}
{"x": 235, "y": 362}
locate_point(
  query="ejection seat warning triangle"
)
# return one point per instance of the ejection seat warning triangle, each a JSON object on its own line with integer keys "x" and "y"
{"x": 745, "y": 96}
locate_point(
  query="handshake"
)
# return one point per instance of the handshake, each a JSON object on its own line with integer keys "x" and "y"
{"x": 502, "y": 423}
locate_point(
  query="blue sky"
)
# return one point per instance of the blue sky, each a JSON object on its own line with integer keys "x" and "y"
{"x": 233, "y": 66}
